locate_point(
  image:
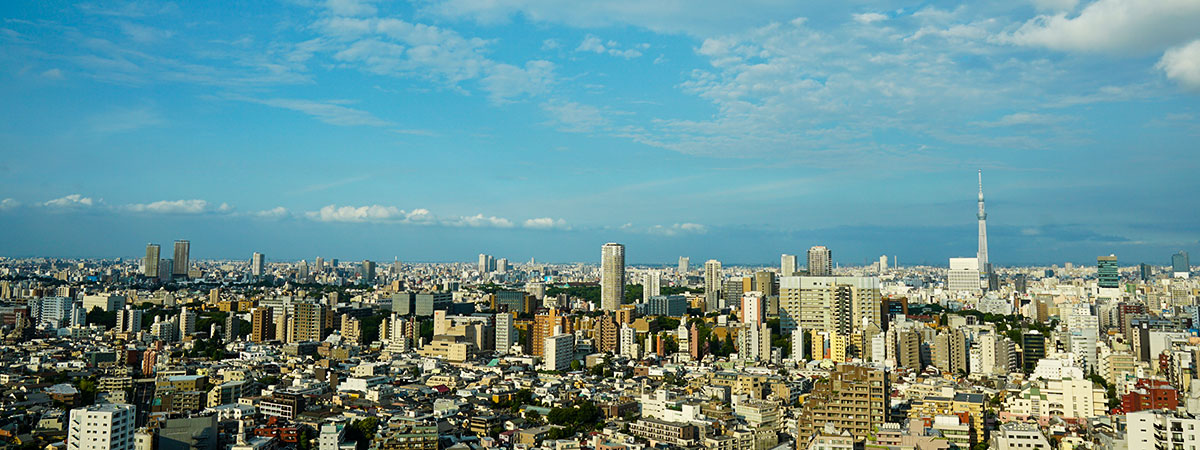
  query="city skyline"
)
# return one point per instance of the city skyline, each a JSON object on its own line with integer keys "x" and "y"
{"x": 438, "y": 130}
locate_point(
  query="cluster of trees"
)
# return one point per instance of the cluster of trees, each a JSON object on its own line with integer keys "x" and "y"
{"x": 513, "y": 404}
{"x": 362, "y": 432}
{"x": 582, "y": 416}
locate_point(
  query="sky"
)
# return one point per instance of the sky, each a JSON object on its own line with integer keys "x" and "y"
{"x": 435, "y": 130}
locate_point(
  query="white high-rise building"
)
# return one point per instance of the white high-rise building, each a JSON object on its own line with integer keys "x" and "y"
{"x": 755, "y": 342}
{"x": 129, "y": 320}
{"x": 883, "y": 264}
{"x": 257, "y": 264}
{"x": 963, "y": 275}
{"x": 101, "y": 427}
{"x": 559, "y": 350}
{"x": 187, "y": 323}
{"x": 612, "y": 276}
{"x": 712, "y": 285}
{"x": 684, "y": 263}
{"x": 506, "y": 334}
{"x": 502, "y": 265}
{"x": 651, "y": 285}
{"x": 820, "y": 261}
{"x": 798, "y": 344}
{"x": 629, "y": 344}
{"x": 754, "y": 307}
{"x": 787, "y": 265}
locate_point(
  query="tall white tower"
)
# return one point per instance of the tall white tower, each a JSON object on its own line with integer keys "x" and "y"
{"x": 983, "y": 253}
{"x": 612, "y": 276}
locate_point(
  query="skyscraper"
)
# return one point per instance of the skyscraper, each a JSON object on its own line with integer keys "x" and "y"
{"x": 187, "y": 323}
{"x": 150, "y": 263}
{"x": 486, "y": 263}
{"x": 506, "y": 334}
{"x": 612, "y": 276}
{"x": 1106, "y": 272}
{"x": 820, "y": 261}
{"x": 651, "y": 285}
{"x": 683, "y": 264}
{"x": 180, "y": 269}
{"x": 787, "y": 265}
{"x": 1180, "y": 266}
{"x": 712, "y": 285}
{"x": 368, "y": 270}
{"x": 984, "y": 266}
{"x": 257, "y": 264}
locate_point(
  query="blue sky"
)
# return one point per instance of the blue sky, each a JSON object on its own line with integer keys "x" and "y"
{"x": 437, "y": 129}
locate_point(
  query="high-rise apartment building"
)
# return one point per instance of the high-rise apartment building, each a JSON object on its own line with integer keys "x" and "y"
{"x": 612, "y": 276}
{"x": 257, "y": 264}
{"x": 837, "y": 305}
{"x": 101, "y": 427}
{"x": 487, "y": 264}
{"x": 820, "y": 261}
{"x": 262, "y": 326}
{"x": 651, "y": 284}
{"x": 187, "y": 323}
{"x": 765, "y": 282}
{"x": 853, "y": 399}
{"x": 712, "y": 285}
{"x": 307, "y": 322}
{"x": 233, "y": 327}
{"x": 629, "y": 345}
{"x": 950, "y": 352}
{"x": 544, "y": 326}
{"x": 787, "y": 265}
{"x": 1107, "y": 275}
{"x": 129, "y": 320}
{"x": 506, "y": 334}
{"x": 150, "y": 263}
{"x": 607, "y": 334}
{"x": 182, "y": 251}
{"x": 684, "y": 263}
{"x": 559, "y": 351}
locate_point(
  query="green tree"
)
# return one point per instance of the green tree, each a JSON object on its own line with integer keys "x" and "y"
{"x": 575, "y": 365}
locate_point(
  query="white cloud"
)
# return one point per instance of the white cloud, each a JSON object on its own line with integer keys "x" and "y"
{"x": 394, "y": 215}
{"x": 479, "y": 220}
{"x": 545, "y": 223}
{"x": 575, "y": 117}
{"x": 869, "y": 17}
{"x": 1117, "y": 26}
{"x": 277, "y": 212}
{"x": 678, "y": 229}
{"x": 372, "y": 213}
{"x": 8, "y": 204}
{"x": 72, "y": 201}
{"x": 505, "y": 82}
{"x": 52, "y": 74}
{"x": 593, "y": 44}
{"x": 193, "y": 206}
{"x": 551, "y": 44}
{"x": 1182, "y": 64}
{"x": 328, "y": 112}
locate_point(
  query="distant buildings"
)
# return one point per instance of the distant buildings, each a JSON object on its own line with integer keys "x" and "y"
{"x": 150, "y": 262}
{"x": 1180, "y": 266}
{"x": 963, "y": 275}
{"x": 257, "y": 264}
{"x": 787, "y": 265}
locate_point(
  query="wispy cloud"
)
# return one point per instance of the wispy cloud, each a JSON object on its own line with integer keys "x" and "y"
{"x": 8, "y": 204}
{"x": 193, "y": 206}
{"x": 328, "y": 112}
{"x": 678, "y": 229}
{"x": 277, "y": 212}
{"x": 593, "y": 44}
{"x": 1025, "y": 118}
